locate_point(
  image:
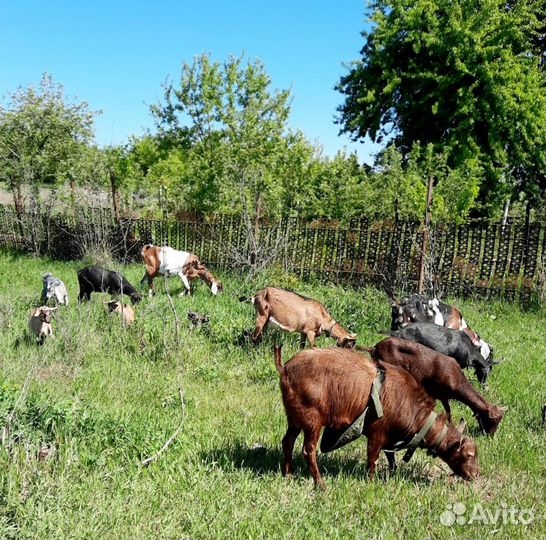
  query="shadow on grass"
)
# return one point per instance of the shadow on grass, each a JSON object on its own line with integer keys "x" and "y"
{"x": 244, "y": 339}
{"x": 263, "y": 461}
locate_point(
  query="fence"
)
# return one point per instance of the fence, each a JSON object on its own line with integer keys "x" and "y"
{"x": 478, "y": 258}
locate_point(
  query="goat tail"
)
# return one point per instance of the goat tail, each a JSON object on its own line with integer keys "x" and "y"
{"x": 278, "y": 359}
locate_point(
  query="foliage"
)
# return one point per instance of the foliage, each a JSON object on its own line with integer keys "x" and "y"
{"x": 462, "y": 76}
{"x": 400, "y": 185}
{"x": 43, "y": 135}
{"x": 235, "y": 124}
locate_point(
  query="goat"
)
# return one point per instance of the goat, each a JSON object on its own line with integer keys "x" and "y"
{"x": 39, "y": 323}
{"x": 441, "y": 376}
{"x": 95, "y": 279}
{"x": 418, "y": 308}
{"x": 295, "y": 313}
{"x": 127, "y": 313}
{"x": 54, "y": 289}
{"x": 332, "y": 387}
{"x": 169, "y": 262}
{"x": 454, "y": 343}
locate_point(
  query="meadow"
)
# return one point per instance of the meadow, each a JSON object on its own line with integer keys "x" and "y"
{"x": 82, "y": 412}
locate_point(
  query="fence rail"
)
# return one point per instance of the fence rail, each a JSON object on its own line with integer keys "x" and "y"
{"x": 478, "y": 258}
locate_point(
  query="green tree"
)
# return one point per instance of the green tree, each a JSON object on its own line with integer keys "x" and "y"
{"x": 398, "y": 185}
{"x": 236, "y": 126}
{"x": 42, "y": 134}
{"x": 463, "y": 76}
{"x": 338, "y": 189}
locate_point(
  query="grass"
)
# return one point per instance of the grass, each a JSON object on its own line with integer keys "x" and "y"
{"x": 104, "y": 398}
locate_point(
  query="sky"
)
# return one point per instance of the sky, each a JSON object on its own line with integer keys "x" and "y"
{"x": 116, "y": 55}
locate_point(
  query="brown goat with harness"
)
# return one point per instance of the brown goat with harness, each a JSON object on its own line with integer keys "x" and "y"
{"x": 334, "y": 388}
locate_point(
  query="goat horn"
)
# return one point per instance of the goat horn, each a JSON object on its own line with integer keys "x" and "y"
{"x": 462, "y": 425}
{"x": 499, "y": 361}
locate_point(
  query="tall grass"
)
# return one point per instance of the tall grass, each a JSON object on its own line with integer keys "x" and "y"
{"x": 86, "y": 408}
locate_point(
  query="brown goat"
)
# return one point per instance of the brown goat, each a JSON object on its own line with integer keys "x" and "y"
{"x": 332, "y": 387}
{"x": 169, "y": 262}
{"x": 295, "y": 313}
{"x": 441, "y": 376}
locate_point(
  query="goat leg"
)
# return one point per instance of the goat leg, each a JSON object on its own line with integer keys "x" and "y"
{"x": 447, "y": 408}
{"x": 391, "y": 458}
{"x": 311, "y": 437}
{"x": 311, "y": 338}
{"x": 288, "y": 448}
{"x": 374, "y": 449}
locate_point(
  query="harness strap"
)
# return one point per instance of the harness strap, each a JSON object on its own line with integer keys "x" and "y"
{"x": 439, "y": 440}
{"x": 420, "y": 437}
{"x": 335, "y": 438}
{"x": 376, "y": 389}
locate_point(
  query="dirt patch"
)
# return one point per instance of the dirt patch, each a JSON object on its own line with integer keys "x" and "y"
{"x": 58, "y": 372}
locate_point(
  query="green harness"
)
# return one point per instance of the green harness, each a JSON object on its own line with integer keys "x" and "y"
{"x": 332, "y": 438}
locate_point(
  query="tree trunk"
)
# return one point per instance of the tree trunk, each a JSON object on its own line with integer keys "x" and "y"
{"x": 73, "y": 195}
{"x": 115, "y": 196}
{"x": 19, "y": 205}
{"x": 424, "y": 246}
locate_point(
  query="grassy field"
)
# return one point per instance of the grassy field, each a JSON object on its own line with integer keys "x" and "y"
{"x": 104, "y": 398}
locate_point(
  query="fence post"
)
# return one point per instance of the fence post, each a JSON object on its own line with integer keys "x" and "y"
{"x": 424, "y": 245}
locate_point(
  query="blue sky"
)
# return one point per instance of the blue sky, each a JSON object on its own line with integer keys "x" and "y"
{"x": 115, "y": 55}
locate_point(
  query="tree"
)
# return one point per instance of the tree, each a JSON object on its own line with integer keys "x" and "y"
{"x": 398, "y": 185}
{"x": 41, "y": 135}
{"x": 235, "y": 125}
{"x": 462, "y": 76}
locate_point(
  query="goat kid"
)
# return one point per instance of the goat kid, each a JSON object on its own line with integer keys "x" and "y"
{"x": 54, "y": 289}
{"x": 39, "y": 323}
{"x": 127, "y": 313}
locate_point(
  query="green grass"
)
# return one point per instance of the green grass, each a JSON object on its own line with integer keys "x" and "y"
{"x": 106, "y": 398}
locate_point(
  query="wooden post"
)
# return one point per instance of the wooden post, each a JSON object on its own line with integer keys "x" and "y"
{"x": 424, "y": 246}
{"x": 115, "y": 196}
{"x": 505, "y": 213}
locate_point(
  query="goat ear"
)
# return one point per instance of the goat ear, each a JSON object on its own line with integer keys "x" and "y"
{"x": 462, "y": 425}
